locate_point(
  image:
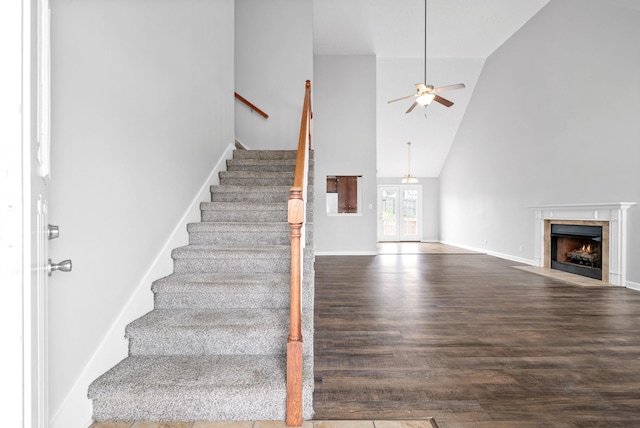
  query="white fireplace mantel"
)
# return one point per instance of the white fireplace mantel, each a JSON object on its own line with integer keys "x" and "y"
{"x": 613, "y": 212}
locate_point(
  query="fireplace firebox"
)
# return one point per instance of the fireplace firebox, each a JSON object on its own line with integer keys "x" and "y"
{"x": 577, "y": 249}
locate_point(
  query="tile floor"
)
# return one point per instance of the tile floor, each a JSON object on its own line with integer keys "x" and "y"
{"x": 422, "y": 423}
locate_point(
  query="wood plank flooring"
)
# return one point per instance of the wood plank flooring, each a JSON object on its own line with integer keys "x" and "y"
{"x": 472, "y": 342}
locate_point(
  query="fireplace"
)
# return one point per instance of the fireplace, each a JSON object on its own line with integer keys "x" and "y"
{"x": 610, "y": 216}
{"x": 577, "y": 249}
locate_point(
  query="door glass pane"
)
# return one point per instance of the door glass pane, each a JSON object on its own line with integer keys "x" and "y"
{"x": 389, "y": 224}
{"x": 410, "y": 212}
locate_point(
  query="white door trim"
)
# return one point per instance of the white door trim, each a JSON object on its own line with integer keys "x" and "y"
{"x": 15, "y": 37}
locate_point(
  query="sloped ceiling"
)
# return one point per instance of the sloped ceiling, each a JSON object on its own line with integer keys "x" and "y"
{"x": 461, "y": 34}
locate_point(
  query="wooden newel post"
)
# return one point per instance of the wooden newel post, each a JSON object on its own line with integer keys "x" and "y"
{"x": 294, "y": 341}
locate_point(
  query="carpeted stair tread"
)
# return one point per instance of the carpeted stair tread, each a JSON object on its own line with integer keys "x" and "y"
{"x": 212, "y": 331}
{"x": 213, "y": 252}
{"x": 230, "y": 211}
{"x": 198, "y": 281}
{"x": 260, "y": 259}
{"x": 265, "y": 154}
{"x": 247, "y": 189}
{"x": 233, "y": 290}
{"x": 138, "y": 375}
{"x": 256, "y": 164}
{"x": 257, "y": 174}
{"x": 261, "y": 164}
{"x": 254, "y": 227}
{"x": 242, "y": 212}
{"x": 237, "y": 193}
{"x": 255, "y": 178}
{"x": 215, "y": 387}
{"x": 239, "y": 234}
{"x": 233, "y": 206}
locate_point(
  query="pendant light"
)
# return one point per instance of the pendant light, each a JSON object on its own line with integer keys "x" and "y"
{"x": 409, "y": 179}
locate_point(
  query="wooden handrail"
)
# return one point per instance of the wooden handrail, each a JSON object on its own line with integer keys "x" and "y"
{"x": 251, "y": 105}
{"x": 295, "y": 217}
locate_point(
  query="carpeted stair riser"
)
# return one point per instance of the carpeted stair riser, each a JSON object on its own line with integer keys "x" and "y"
{"x": 228, "y": 291}
{"x": 258, "y": 178}
{"x": 264, "y": 212}
{"x": 265, "y": 154}
{"x": 231, "y": 212}
{"x": 215, "y": 290}
{"x": 241, "y": 234}
{"x": 259, "y": 194}
{"x": 213, "y": 388}
{"x": 204, "y": 258}
{"x": 242, "y": 331}
{"x": 250, "y": 194}
{"x": 287, "y": 165}
{"x": 267, "y": 165}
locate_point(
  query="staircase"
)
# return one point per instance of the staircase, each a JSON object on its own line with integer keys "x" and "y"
{"x": 214, "y": 346}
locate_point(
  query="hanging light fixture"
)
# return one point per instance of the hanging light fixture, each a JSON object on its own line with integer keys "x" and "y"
{"x": 425, "y": 98}
{"x": 425, "y": 94}
{"x": 408, "y": 179}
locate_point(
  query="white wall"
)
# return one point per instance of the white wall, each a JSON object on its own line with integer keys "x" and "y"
{"x": 553, "y": 119}
{"x": 142, "y": 111}
{"x": 430, "y": 205}
{"x": 14, "y": 230}
{"x": 344, "y": 141}
{"x": 273, "y": 59}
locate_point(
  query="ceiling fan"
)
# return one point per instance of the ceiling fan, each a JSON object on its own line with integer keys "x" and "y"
{"x": 427, "y": 93}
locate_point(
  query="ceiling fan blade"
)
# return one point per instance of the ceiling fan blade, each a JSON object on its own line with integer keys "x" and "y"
{"x": 415, "y": 103}
{"x": 445, "y": 102}
{"x": 400, "y": 99}
{"x": 450, "y": 87}
{"x": 421, "y": 87}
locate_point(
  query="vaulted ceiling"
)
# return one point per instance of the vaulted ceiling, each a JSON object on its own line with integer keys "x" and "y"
{"x": 461, "y": 34}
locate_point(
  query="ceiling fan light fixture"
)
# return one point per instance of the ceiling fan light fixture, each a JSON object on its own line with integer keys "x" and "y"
{"x": 425, "y": 100}
{"x": 425, "y": 94}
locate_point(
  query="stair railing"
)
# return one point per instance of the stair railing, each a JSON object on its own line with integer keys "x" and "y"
{"x": 296, "y": 216}
{"x": 251, "y": 105}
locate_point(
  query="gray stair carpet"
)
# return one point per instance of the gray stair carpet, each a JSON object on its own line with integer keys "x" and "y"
{"x": 214, "y": 346}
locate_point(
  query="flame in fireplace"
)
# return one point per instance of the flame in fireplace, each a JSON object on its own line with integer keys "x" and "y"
{"x": 586, "y": 249}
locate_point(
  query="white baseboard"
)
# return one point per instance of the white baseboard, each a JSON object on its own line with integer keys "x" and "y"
{"x": 346, "y": 253}
{"x": 465, "y": 247}
{"x": 633, "y": 285}
{"x": 76, "y": 409}
{"x": 517, "y": 259}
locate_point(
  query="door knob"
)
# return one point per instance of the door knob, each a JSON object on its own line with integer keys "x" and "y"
{"x": 63, "y": 266}
{"x": 53, "y": 231}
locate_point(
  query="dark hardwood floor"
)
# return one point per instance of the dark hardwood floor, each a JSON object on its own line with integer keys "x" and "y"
{"x": 472, "y": 342}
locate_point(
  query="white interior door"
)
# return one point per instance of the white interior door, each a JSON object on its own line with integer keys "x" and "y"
{"x": 41, "y": 231}
{"x": 24, "y": 162}
{"x": 399, "y": 213}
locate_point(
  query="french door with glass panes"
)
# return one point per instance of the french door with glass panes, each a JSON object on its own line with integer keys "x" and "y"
{"x": 400, "y": 213}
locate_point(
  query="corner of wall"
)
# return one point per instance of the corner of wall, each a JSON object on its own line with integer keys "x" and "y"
{"x": 76, "y": 409}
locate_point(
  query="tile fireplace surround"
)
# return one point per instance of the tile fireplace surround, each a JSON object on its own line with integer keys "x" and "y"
{"x": 612, "y": 216}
